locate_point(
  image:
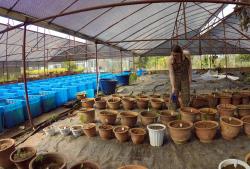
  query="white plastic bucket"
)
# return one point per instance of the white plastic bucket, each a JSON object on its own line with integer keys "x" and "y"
{"x": 235, "y": 162}
{"x": 156, "y": 136}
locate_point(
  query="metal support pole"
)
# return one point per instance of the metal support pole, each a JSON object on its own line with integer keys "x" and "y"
{"x": 96, "y": 69}
{"x": 44, "y": 53}
{"x": 121, "y": 61}
{"x": 24, "y": 78}
{"x": 6, "y": 52}
{"x": 134, "y": 62}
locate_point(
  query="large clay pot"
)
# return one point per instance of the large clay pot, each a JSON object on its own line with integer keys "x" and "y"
{"x": 100, "y": 103}
{"x": 225, "y": 98}
{"x": 137, "y": 135}
{"x": 129, "y": 118}
{"x": 106, "y": 132}
{"x": 230, "y": 127}
{"x": 88, "y": 102}
{"x": 166, "y": 116}
{"x": 7, "y": 146}
{"x": 226, "y": 109}
{"x": 157, "y": 103}
{"x": 114, "y": 103}
{"x": 85, "y": 164}
{"x": 89, "y": 129}
{"x": 180, "y": 131}
{"x": 121, "y": 133}
{"x": 246, "y": 122}
{"x": 243, "y": 110}
{"x": 128, "y": 103}
{"x": 142, "y": 103}
{"x": 236, "y": 99}
{"x": 108, "y": 116}
{"x": 46, "y": 160}
{"x": 86, "y": 115}
{"x": 206, "y": 130}
{"x": 133, "y": 167}
{"x": 190, "y": 114}
{"x": 148, "y": 117}
{"x": 22, "y": 157}
{"x": 208, "y": 113}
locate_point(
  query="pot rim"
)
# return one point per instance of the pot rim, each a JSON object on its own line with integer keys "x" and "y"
{"x": 110, "y": 127}
{"x": 130, "y": 114}
{"x": 243, "y": 107}
{"x": 221, "y": 106}
{"x": 87, "y": 100}
{"x": 85, "y": 109}
{"x": 112, "y": 112}
{"x": 188, "y": 122}
{"x": 158, "y": 100}
{"x": 125, "y": 131}
{"x": 128, "y": 99}
{"x": 234, "y": 125}
{"x": 245, "y": 117}
{"x": 206, "y": 121}
{"x": 93, "y": 125}
{"x": 138, "y": 128}
{"x": 85, "y": 161}
{"x": 169, "y": 115}
{"x": 196, "y": 111}
{"x": 149, "y": 112}
{"x": 12, "y": 141}
{"x": 156, "y": 124}
{"x": 214, "y": 111}
{"x": 142, "y": 99}
{"x": 18, "y": 161}
{"x": 115, "y": 102}
{"x": 232, "y": 161}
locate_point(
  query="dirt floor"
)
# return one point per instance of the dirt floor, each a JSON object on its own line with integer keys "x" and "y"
{"x": 112, "y": 154}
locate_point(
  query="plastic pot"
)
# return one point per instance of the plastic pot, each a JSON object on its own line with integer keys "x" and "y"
{"x": 137, "y": 135}
{"x": 50, "y": 131}
{"x": 230, "y": 127}
{"x": 88, "y": 102}
{"x": 129, "y": 118}
{"x": 243, "y": 110}
{"x": 128, "y": 103}
{"x": 233, "y": 163}
{"x": 156, "y": 134}
{"x": 121, "y": 133}
{"x": 226, "y": 109}
{"x": 100, "y": 103}
{"x": 166, "y": 116}
{"x": 208, "y": 114}
{"x": 48, "y": 160}
{"x": 142, "y": 103}
{"x": 7, "y": 146}
{"x": 114, "y": 103}
{"x": 133, "y": 167}
{"x": 108, "y": 86}
{"x": 190, "y": 114}
{"x": 246, "y": 123}
{"x": 206, "y": 130}
{"x": 108, "y": 117}
{"x": 64, "y": 130}
{"x": 180, "y": 131}
{"x": 85, "y": 164}
{"x": 148, "y": 117}
{"x": 106, "y": 132}
{"x": 76, "y": 130}
{"x": 22, "y": 157}
{"x": 89, "y": 129}
{"x": 86, "y": 115}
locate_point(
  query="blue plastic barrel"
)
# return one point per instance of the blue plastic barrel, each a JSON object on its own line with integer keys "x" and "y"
{"x": 108, "y": 86}
{"x": 48, "y": 99}
{"x": 90, "y": 93}
{"x": 123, "y": 79}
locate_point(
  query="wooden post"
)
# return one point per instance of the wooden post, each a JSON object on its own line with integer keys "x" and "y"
{"x": 96, "y": 69}
{"x": 6, "y": 52}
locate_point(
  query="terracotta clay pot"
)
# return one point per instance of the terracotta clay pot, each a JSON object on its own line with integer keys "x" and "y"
{"x": 199, "y": 101}
{"x": 225, "y": 98}
{"x": 106, "y": 132}
{"x": 89, "y": 129}
{"x": 85, "y": 164}
{"x": 26, "y": 154}
{"x": 143, "y": 96}
{"x": 117, "y": 95}
{"x": 129, "y": 118}
{"x": 137, "y": 135}
{"x": 108, "y": 117}
{"x": 157, "y": 103}
{"x": 48, "y": 159}
{"x": 226, "y": 109}
{"x": 243, "y": 110}
{"x": 86, "y": 115}
{"x": 190, "y": 114}
{"x": 121, "y": 133}
{"x": 7, "y": 146}
{"x": 154, "y": 96}
{"x": 114, "y": 103}
{"x": 245, "y": 97}
{"x": 206, "y": 130}
{"x": 246, "y": 123}
{"x": 148, "y": 117}
{"x": 88, "y": 102}
{"x": 142, "y": 103}
{"x": 133, "y": 167}
{"x": 230, "y": 127}
{"x": 247, "y": 159}
{"x": 213, "y": 100}
{"x": 166, "y": 116}
{"x": 208, "y": 113}
{"x": 128, "y": 103}
{"x": 180, "y": 131}
{"x": 100, "y": 103}
{"x": 236, "y": 99}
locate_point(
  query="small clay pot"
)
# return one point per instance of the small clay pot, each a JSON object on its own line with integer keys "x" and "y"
{"x": 129, "y": 118}
{"x": 208, "y": 113}
{"x": 230, "y": 127}
{"x": 243, "y": 110}
{"x": 246, "y": 122}
{"x": 226, "y": 109}
{"x": 114, "y": 103}
{"x": 121, "y": 133}
{"x": 7, "y": 146}
{"x": 47, "y": 160}
{"x": 180, "y": 131}
{"x": 247, "y": 159}
{"x": 106, "y": 132}
{"x": 157, "y": 103}
{"x": 213, "y": 100}
{"x": 166, "y": 116}
{"x": 108, "y": 117}
{"x": 128, "y": 103}
{"x": 206, "y": 130}
{"x": 225, "y": 98}
{"x": 100, "y": 103}
{"x": 199, "y": 101}
{"x": 236, "y": 99}
{"x": 87, "y": 114}
{"x": 133, "y": 167}
{"x": 27, "y": 154}
{"x": 148, "y": 117}
{"x": 245, "y": 99}
{"x": 88, "y": 102}
{"x": 142, "y": 103}
{"x": 137, "y": 135}
{"x": 89, "y": 129}
{"x": 85, "y": 164}
{"x": 190, "y": 114}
